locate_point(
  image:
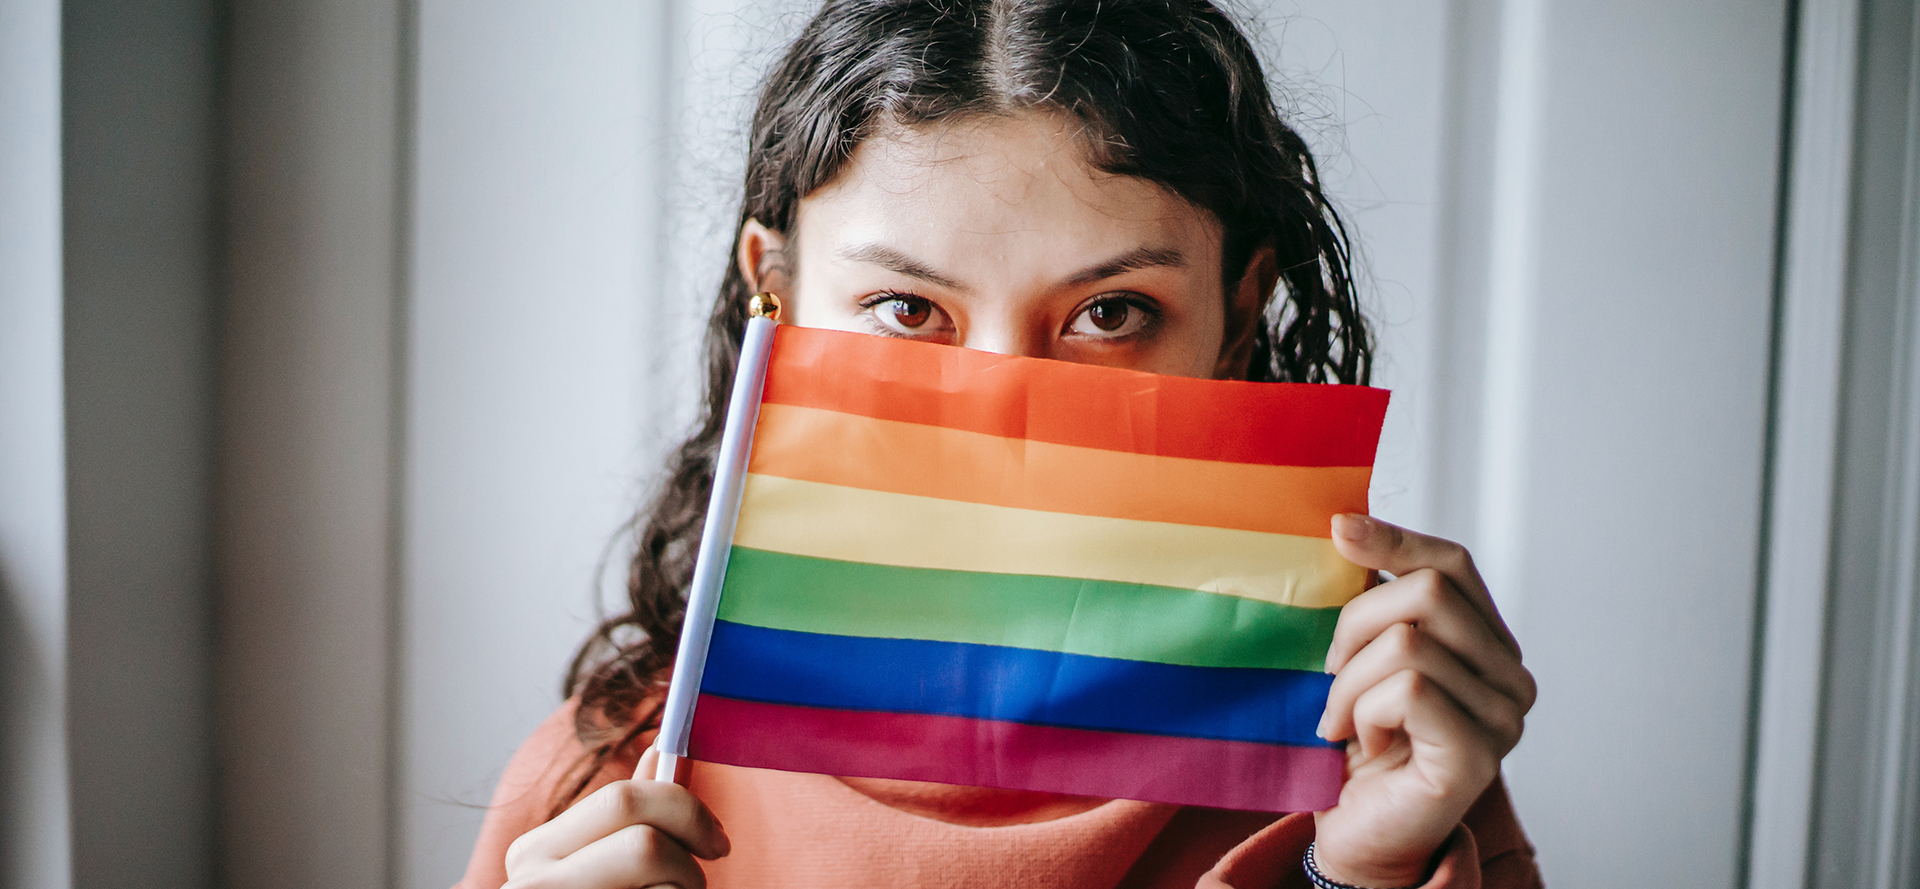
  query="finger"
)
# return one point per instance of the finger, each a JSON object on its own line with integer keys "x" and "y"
{"x": 1404, "y": 647}
{"x": 1429, "y": 601}
{"x": 622, "y": 804}
{"x": 1449, "y": 752}
{"x": 632, "y": 857}
{"x": 649, "y": 766}
{"x": 1371, "y": 543}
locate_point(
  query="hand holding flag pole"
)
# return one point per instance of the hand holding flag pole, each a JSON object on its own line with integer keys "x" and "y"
{"x": 716, "y": 540}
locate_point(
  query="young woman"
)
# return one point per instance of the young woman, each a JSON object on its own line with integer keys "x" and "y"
{"x": 1102, "y": 182}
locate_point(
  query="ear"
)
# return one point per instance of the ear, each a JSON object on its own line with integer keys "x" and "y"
{"x": 1246, "y": 304}
{"x": 763, "y": 259}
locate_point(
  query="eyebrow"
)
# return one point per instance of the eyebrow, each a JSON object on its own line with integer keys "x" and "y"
{"x": 1132, "y": 260}
{"x": 894, "y": 261}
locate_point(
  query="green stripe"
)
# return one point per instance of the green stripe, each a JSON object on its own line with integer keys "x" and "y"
{"x": 1117, "y": 620}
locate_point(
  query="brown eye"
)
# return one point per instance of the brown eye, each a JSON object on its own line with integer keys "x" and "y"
{"x": 1108, "y": 316}
{"x": 910, "y": 313}
{"x": 1112, "y": 318}
{"x": 904, "y": 314}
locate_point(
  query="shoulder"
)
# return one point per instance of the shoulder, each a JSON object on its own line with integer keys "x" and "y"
{"x": 543, "y": 771}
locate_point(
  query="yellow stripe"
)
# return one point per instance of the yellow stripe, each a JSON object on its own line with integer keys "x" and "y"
{"x": 854, "y": 525}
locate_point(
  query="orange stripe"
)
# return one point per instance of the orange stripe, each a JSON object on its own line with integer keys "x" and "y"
{"x": 830, "y": 447}
{"x": 1278, "y": 424}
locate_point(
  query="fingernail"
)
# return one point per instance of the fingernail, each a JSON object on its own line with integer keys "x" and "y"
{"x": 1352, "y": 526}
{"x": 1322, "y": 730}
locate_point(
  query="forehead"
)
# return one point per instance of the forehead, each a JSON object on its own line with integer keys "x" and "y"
{"x": 1005, "y": 188}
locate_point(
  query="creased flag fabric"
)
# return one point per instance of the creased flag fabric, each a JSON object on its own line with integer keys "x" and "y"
{"x": 955, "y": 566}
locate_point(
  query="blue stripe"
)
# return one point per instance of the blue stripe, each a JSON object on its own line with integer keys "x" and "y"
{"x": 1015, "y": 685}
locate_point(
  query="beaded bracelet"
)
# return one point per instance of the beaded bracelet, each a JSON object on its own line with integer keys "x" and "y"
{"x": 1321, "y": 880}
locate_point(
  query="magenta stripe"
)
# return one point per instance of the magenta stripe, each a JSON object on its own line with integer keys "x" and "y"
{"x": 957, "y": 750}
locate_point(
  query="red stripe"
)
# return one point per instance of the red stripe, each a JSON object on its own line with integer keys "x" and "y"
{"x": 981, "y": 753}
{"x": 1279, "y": 424}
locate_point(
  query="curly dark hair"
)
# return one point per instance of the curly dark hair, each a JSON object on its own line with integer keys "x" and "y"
{"x": 1166, "y": 90}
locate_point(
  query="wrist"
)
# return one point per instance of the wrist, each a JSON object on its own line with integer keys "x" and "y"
{"x": 1344, "y": 875}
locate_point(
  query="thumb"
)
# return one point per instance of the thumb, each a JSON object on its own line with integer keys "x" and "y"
{"x": 648, "y": 768}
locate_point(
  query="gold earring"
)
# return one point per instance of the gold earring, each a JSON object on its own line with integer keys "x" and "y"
{"x": 764, "y": 305}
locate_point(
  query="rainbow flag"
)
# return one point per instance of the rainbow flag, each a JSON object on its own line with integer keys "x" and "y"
{"x": 969, "y": 568}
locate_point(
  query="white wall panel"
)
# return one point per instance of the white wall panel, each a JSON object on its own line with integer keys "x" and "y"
{"x": 531, "y": 262}
{"x": 1637, "y": 523}
{"x": 1567, "y": 215}
{"x": 1580, "y": 387}
{"x": 35, "y": 840}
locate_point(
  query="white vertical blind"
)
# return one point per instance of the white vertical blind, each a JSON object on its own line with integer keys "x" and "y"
{"x": 1866, "y": 813}
{"x": 1596, "y": 354}
{"x": 1637, "y": 557}
{"x": 1806, "y": 436}
{"x": 1511, "y": 299}
{"x": 532, "y": 260}
{"x": 35, "y": 848}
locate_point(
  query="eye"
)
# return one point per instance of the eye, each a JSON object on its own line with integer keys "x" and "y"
{"x": 1111, "y": 318}
{"x": 910, "y": 314}
{"x": 903, "y": 314}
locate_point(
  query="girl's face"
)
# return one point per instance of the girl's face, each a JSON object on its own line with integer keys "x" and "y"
{"x": 993, "y": 234}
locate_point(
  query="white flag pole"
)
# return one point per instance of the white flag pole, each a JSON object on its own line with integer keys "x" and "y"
{"x": 716, "y": 539}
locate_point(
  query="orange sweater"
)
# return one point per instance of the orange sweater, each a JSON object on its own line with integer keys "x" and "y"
{"x": 799, "y": 830}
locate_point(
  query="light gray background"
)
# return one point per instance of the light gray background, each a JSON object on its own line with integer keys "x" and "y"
{"x": 339, "y": 338}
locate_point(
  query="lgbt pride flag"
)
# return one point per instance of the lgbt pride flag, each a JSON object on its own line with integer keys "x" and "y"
{"x": 955, "y": 566}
